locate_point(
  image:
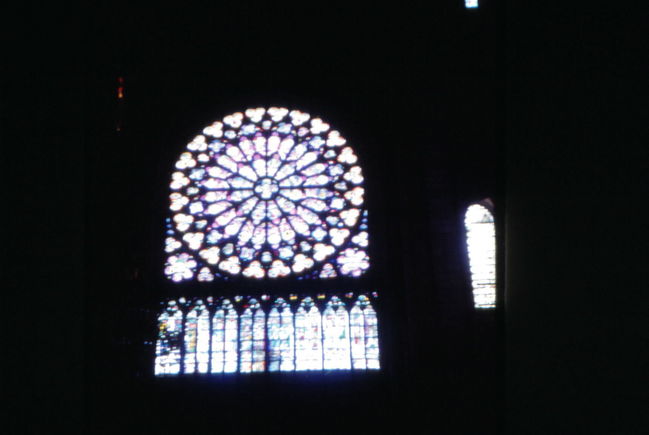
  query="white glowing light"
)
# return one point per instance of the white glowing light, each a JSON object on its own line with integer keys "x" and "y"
{"x": 481, "y": 246}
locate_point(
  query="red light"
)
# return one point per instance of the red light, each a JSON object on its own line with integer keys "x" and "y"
{"x": 120, "y": 88}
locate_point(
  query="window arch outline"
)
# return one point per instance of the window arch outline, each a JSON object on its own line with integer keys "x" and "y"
{"x": 479, "y": 225}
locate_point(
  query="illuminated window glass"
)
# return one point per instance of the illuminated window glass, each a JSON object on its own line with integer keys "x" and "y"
{"x": 252, "y": 337}
{"x": 281, "y": 338}
{"x": 259, "y": 341}
{"x": 308, "y": 336}
{"x": 471, "y": 4}
{"x": 191, "y": 334}
{"x": 170, "y": 322}
{"x": 203, "y": 340}
{"x": 267, "y": 193}
{"x": 245, "y": 340}
{"x": 336, "y": 338}
{"x": 335, "y": 327}
{"x": 364, "y": 335}
{"x": 197, "y": 339}
{"x": 481, "y": 244}
{"x": 224, "y": 339}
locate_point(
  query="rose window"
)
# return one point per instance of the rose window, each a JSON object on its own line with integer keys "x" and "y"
{"x": 267, "y": 193}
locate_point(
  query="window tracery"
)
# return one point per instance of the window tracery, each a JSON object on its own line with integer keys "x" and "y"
{"x": 267, "y": 193}
{"x": 296, "y": 337}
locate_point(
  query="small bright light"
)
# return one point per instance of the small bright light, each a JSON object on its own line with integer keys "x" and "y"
{"x": 471, "y": 4}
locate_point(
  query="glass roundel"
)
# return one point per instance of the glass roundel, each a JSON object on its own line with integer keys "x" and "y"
{"x": 267, "y": 193}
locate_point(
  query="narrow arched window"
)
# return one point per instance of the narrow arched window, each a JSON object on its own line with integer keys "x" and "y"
{"x": 281, "y": 343}
{"x": 308, "y": 336}
{"x": 364, "y": 335}
{"x": 168, "y": 354}
{"x": 252, "y": 338}
{"x": 197, "y": 339}
{"x": 335, "y": 329}
{"x": 481, "y": 248}
{"x": 224, "y": 339}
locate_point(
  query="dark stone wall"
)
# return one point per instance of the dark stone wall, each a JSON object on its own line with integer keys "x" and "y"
{"x": 418, "y": 96}
{"x": 445, "y": 107}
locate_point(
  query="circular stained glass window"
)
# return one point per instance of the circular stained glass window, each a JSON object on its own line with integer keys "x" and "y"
{"x": 267, "y": 193}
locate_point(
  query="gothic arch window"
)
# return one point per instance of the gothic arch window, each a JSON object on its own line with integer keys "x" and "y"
{"x": 364, "y": 335}
{"x": 481, "y": 249}
{"x": 259, "y": 196}
{"x": 197, "y": 339}
{"x": 308, "y": 335}
{"x": 281, "y": 337}
{"x": 167, "y": 361}
{"x": 335, "y": 329}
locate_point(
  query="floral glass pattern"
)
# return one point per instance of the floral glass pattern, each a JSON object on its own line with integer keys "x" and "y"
{"x": 267, "y": 193}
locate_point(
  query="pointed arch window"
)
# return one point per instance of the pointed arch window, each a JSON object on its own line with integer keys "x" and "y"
{"x": 252, "y": 351}
{"x": 197, "y": 339}
{"x": 308, "y": 336}
{"x": 170, "y": 321}
{"x": 364, "y": 335}
{"x": 225, "y": 339}
{"x": 281, "y": 337}
{"x": 335, "y": 326}
{"x": 481, "y": 249}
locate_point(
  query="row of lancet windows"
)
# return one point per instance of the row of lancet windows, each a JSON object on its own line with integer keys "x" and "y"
{"x": 285, "y": 337}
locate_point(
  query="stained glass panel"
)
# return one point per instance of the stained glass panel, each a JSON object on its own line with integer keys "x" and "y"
{"x": 335, "y": 326}
{"x": 308, "y": 336}
{"x": 301, "y": 338}
{"x": 168, "y": 354}
{"x": 267, "y": 193}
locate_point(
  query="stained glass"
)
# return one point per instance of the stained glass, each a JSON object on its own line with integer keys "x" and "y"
{"x": 203, "y": 339}
{"x": 191, "y": 335}
{"x": 197, "y": 339}
{"x": 335, "y": 326}
{"x": 252, "y": 338}
{"x": 308, "y": 336}
{"x": 258, "y": 340}
{"x": 224, "y": 339}
{"x": 357, "y": 331}
{"x": 267, "y": 193}
{"x": 371, "y": 333}
{"x": 281, "y": 337}
{"x": 170, "y": 321}
{"x": 245, "y": 341}
{"x": 481, "y": 244}
{"x": 336, "y": 339}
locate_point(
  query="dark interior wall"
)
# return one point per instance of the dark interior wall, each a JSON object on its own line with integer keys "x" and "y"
{"x": 418, "y": 95}
{"x": 425, "y": 95}
{"x": 575, "y": 297}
